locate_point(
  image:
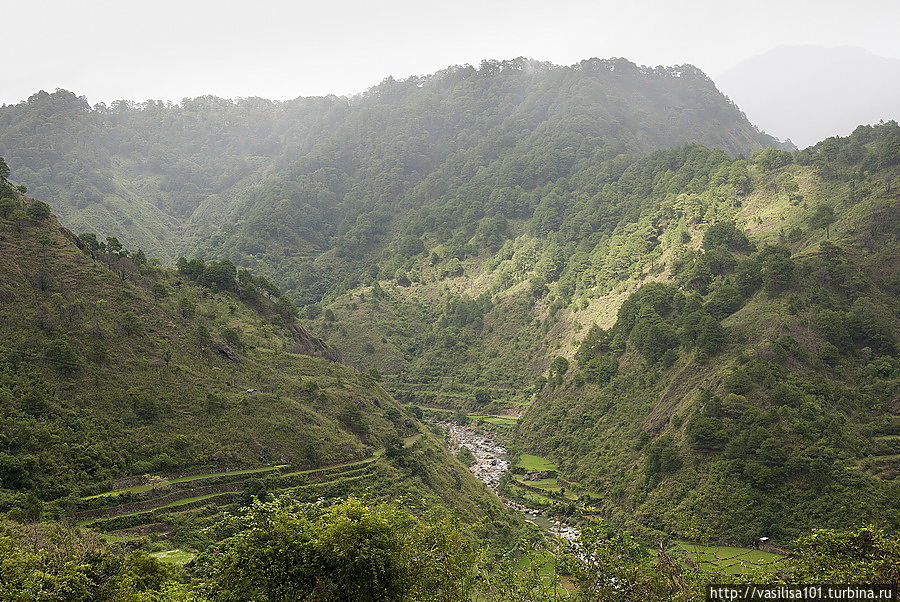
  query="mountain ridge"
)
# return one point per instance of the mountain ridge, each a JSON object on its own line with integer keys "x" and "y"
{"x": 140, "y": 171}
{"x": 779, "y": 89}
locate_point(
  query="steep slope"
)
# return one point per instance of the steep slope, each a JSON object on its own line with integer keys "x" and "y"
{"x": 753, "y": 389}
{"x": 113, "y": 367}
{"x": 500, "y": 331}
{"x": 160, "y": 174}
{"x": 808, "y": 93}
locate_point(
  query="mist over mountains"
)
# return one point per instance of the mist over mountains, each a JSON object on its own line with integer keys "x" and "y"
{"x": 808, "y": 93}
{"x": 183, "y": 168}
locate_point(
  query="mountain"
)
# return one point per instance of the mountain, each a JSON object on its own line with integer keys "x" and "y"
{"x": 708, "y": 344}
{"x": 808, "y": 93}
{"x": 693, "y": 326}
{"x": 460, "y": 235}
{"x": 164, "y": 176}
{"x": 138, "y": 397}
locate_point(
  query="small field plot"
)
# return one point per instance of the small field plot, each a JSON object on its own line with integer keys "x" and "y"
{"x": 551, "y": 485}
{"x": 496, "y": 420}
{"x": 535, "y": 463}
{"x": 178, "y": 557}
{"x": 538, "y": 499}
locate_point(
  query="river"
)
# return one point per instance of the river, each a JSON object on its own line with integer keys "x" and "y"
{"x": 491, "y": 461}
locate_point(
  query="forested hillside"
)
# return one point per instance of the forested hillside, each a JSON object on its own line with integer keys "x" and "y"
{"x": 711, "y": 342}
{"x": 127, "y": 388}
{"x": 695, "y": 326}
{"x": 317, "y": 173}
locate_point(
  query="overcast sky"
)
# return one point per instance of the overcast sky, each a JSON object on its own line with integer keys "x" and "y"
{"x": 282, "y": 49}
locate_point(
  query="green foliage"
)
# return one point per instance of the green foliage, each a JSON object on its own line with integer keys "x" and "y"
{"x": 465, "y": 456}
{"x": 822, "y": 217}
{"x": 350, "y": 550}
{"x": 618, "y": 567}
{"x": 38, "y": 211}
{"x": 771, "y": 158}
{"x": 7, "y": 206}
{"x": 662, "y": 456}
{"x": 763, "y": 372}
{"x": 863, "y": 555}
{"x": 53, "y": 562}
{"x": 725, "y": 233}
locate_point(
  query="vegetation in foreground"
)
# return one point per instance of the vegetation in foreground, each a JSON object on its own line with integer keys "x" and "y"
{"x": 146, "y": 402}
{"x": 357, "y": 550}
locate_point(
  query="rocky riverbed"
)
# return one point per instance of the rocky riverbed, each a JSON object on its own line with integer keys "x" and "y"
{"x": 490, "y": 455}
{"x": 490, "y": 464}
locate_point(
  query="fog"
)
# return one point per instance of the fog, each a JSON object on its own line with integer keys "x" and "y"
{"x": 283, "y": 49}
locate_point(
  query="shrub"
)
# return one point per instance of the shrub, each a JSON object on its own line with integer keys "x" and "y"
{"x": 38, "y": 211}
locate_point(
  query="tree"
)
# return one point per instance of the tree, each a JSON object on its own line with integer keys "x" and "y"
{"x": 465, "y": 456}
{"x": 822, "y": 217}
{"x": 347, "y": 551}
{"x": 4, "y": 168}
{"x": 38, "y": 211}
{"x": 537, "y": 287}
{"x": 187, "y": 306}
{"x": 863, "y": 555}
{"x": 395, "y": 449}
{"x": 91, "y": 242}
{"x": 483, "y": 396}
{"x": 63, "y": 356}
{"x": 619, "y": 567}
{"x": 219, "y": 275}
{"x": 7, "y": 206}
{"x": 559, "y": 366}
{"x": 131, "y": 323}
{"x": 662, "y": 456}
{"x": 726, "y": 233}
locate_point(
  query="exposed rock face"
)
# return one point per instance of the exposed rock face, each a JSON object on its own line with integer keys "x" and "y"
{"x": 306, "y": 343}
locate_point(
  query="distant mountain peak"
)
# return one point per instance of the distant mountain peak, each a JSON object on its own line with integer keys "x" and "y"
{"x": 808, "y": 93}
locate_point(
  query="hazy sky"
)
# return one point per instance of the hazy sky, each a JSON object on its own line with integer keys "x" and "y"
{"x": 283, "y": 49}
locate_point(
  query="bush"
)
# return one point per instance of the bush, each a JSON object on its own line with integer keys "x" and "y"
{"x": 63, "y": 356}
{"x": 7, "y": 206}
{"x": 38, "y": 211}
{"x": 347, "y": 551}
{"x": 662, "y": 456}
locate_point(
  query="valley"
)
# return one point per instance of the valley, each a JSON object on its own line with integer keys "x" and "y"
{"x": 519, "y": 331}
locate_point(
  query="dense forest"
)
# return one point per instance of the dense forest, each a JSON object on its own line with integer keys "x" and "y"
{"x": 290, "y": 173}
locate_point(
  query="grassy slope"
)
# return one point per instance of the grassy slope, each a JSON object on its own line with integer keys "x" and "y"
{"x": 600, "y": 434}
{"x": 149, "y": 393}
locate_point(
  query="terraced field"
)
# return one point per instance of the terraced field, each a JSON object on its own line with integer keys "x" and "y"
{"x": 497, "y": 419}
{"x": 727, "y": 560}
{"x": 504, "y": 421}
{"x": 162, "y": 483}
{"x": 130, "y": 508}
{"x": 884, "y": 463}
{"x": 535, "y": 464}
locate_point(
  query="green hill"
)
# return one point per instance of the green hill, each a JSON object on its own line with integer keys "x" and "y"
{"x": 696, "y": 326}
{"x": 741, "y": 378}
{"x": 161, "y": 175}
{"x": 137, "y": 396}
